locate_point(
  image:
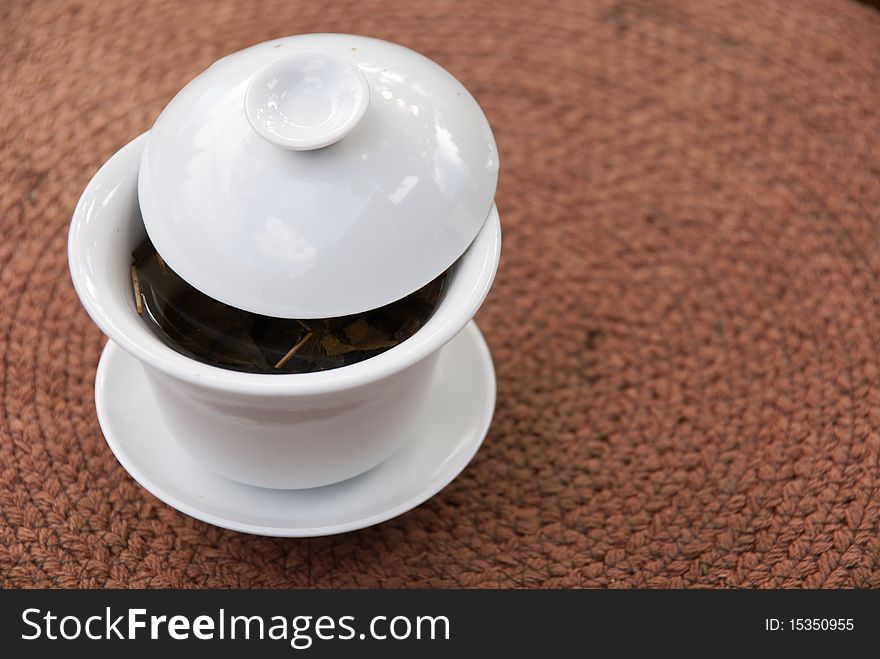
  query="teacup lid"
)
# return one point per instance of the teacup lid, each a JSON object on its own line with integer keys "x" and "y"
{"x": 317, "y": 176}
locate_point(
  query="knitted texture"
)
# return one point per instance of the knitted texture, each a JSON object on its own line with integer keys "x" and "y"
{"x": 685, "y": 325}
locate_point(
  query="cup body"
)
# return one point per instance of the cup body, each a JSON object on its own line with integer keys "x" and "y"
{"x": 278, "y": 431}
{"x": 294, "y": 441}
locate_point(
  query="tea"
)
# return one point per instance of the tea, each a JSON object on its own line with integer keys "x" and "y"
{"x": 209, "y": 331}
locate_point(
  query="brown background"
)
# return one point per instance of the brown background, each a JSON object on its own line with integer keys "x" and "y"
{"x": 686, "y": 323}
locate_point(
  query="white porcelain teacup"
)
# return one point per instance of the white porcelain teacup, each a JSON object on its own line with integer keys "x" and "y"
{"x": 277, "y": 431}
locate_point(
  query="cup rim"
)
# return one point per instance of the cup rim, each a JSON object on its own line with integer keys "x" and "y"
{"x": 480, "y": 260}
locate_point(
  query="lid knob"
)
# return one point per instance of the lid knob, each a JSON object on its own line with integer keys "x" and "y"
{"x": 306, "y": 100}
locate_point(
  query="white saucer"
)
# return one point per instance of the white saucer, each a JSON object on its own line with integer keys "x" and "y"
{"x": 456, "y": 417}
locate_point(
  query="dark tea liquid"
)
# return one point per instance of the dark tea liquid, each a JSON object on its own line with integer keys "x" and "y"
{"x": 215, "y": 333}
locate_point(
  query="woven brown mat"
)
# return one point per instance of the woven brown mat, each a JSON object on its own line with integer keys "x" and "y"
{"x": 686, "y": 323}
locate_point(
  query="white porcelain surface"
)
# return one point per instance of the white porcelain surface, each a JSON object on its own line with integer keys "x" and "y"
{"x": 325, "y": 232}
{"x": 282, "y": 431}
{"x": 306, "y": 100}
{"x": 453, "y": 421}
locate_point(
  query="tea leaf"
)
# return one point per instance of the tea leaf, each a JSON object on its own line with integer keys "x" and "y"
{"x": 364, "y": 336}
{"x": 407, "y": 329}
{"x": 333, "y": 346}
{"x": 137, "y": 290}
{"x": 207, "y": 330}
{"x": 294, "y": 350}
{"x": 327, "y": 359}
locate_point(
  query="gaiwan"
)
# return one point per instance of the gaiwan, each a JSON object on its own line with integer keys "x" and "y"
{"x": 288, "y": 250}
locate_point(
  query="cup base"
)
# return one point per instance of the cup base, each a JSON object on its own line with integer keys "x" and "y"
{"x": 453, "y": 421}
